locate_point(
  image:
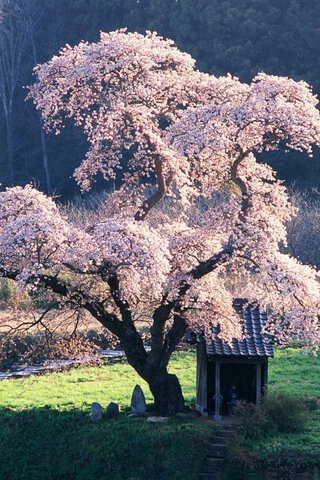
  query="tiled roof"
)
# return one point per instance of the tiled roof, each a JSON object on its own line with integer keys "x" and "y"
{"x": 254, "y": 343}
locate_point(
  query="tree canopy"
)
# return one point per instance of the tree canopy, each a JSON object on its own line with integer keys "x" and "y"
{"x": 196, "y": 220}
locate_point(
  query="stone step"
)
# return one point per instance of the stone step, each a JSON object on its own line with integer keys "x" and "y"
{"x": 217, "y": 450}
{"x": 208, "y": 476}
{"x": 212, "y": 470}
{"x": 219, "y": 439}
{"x": 225, "y": 428}
{"x": 213, "y": 467}
{"x": 214, "y": 462}
{"x": 224, "y": 435}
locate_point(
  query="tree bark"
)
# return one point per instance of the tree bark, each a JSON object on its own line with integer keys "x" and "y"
{"x": 167, "y": 393}
{"x": 165, "y": 387}
{"x": 10, "y": 165}
{"x": 44, "y": 151}
{"x": 45, "y": 161}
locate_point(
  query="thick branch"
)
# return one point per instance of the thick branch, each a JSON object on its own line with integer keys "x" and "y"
{"x": 155, "y": 198}
{"x": 160, "y": 343}
{"x": 130, "y": 339}
{"x": 245, "y": 204}
{"x": 174, "y": 336}
{"x": 203, "y": 268}
{"x": 160, "y": 316}
{"x": 123, "y": 306}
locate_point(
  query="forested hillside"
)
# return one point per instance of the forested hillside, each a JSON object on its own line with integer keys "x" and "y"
{"x": 241, "y": 37}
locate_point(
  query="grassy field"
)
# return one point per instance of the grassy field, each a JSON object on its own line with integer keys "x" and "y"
{"x": 46, "y": 433}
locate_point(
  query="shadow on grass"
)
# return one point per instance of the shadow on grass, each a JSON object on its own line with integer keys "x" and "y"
{"x": 48, "y": 444}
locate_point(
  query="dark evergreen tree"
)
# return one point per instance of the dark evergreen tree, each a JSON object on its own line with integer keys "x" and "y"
{"x": 240, "y": 37}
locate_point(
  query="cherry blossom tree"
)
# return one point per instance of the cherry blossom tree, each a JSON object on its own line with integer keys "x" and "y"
{"x": 196, "y": 219}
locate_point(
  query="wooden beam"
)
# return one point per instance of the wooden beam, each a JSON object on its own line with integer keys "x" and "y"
{"x": 258, "y": 383}
{"x": 217, "y": 413}
{"x": 202, "y": 379}
{"x": 265, "y": 383}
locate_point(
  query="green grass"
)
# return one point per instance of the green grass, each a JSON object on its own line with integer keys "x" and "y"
{"x": 78, "y": 388}
{"x": 298, "y": 374}
{"x": 293, "y": 373}
{"x": 46, "y": 433}
{"x": 49, "y": 444}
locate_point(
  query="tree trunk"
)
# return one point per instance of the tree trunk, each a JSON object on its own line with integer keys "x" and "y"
{"x": 42, "y": 134}
{"x": 165, "y": 387}
{"x": 45, "y": 160}
{"x": 10, "y": 166}
{"x": 167, "y": 393}
{"x": 150, "y": 366}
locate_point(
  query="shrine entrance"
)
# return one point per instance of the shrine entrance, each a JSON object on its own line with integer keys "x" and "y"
{"x": 240, "y": 377}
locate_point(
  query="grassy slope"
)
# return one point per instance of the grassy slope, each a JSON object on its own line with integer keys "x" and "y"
{"x": 45, "y": 433}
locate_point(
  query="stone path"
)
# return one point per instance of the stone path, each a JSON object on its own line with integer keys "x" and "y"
{"x": 213, "y": 467}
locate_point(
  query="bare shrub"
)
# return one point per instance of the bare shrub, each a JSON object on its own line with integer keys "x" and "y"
{"x": 279, "y": 412}
{"x": 253, "y": 420}
{"x": 287, "y": 413}
{"x": 35, "y": 349}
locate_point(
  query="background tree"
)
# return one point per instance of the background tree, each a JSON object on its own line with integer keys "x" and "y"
{"x": 304, "y": 228}
{"x": 166, "y": 252}
{"x": 13, "y": 31}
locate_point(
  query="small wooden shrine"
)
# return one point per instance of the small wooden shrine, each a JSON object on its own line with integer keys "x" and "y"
{"x": 240, "y": 366}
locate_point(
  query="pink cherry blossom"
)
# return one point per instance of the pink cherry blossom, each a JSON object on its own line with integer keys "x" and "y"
{"x": 196, "y": 220}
